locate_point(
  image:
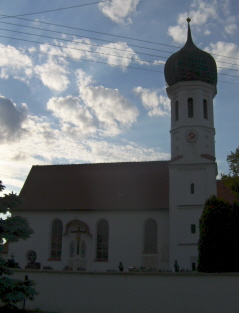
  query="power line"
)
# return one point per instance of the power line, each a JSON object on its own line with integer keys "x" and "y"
{"x": 59, "y": 46}
{"x": 53, "y": 10}
{"x": 130, "y": 45}
{"x": 96, "y": 52}
{"x": 87, "y": 60}
{"x": 18, "y": 16}
{"x": 84, "y": 43}
{"x": 102, "y": 33}
{"x": 64, "y": 33}
{"x": 111, "y": 64}
{"x": 92, "y": 31}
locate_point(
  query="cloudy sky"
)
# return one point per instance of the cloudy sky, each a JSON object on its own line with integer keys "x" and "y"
{"x": 82, "y": 81}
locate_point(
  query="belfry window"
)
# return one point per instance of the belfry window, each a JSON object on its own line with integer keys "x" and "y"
{"x": 150, "y": 236}
{"x": 205, "y": 109}
{"x": 190, "y": 107}
{"x": 102, "y": 241}
{"x": 192, "y": 188}
{"x": 193, "y": 229}
{"x": 176, "y": 111}
{"x": 56, "y": 239}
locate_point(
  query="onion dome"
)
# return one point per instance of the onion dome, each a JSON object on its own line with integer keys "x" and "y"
{"x": 190, "y": 64}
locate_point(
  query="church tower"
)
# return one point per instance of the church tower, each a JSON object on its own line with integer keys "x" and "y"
{"x": 191, "y": 76}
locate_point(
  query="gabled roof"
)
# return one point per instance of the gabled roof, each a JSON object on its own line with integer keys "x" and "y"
{"x": 102, "y": 186}
{"x": 223, "y": 192}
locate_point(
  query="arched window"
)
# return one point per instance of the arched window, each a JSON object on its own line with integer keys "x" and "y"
{"x": 72, "y": 249}
{"x": 192, "y": 188}
{"x": 205, "y": 109}
{"x": 150, "y": 236}
{"x": 190, "y": 107}
{"x": 176, "y": 111}
{"x": 77, "y": 246}
{"x": 56, "y": 239}
{"x": 83, "y": 249}
{"x": 102, "y": 241}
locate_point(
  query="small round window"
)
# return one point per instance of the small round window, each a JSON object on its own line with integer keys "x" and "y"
{"x": 31, "y": 256}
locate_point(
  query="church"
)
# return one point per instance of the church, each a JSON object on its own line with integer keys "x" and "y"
{"x": 123, "y": 216}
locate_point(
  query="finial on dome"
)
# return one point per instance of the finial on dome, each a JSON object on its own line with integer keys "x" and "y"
{"x": 189, "y": 39}
{"x": 188, "y": 19}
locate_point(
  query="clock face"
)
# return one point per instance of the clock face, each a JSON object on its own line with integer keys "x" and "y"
{"x": 191, "y": 135}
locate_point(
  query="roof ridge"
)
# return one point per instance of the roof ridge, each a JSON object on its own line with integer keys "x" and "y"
{"x": 122, "y": 162}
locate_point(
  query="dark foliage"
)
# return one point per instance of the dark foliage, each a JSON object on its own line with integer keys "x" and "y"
{"x": 12, "y": 229}
{"x": 232, "y": 179}
{"x": 219, "y": 237}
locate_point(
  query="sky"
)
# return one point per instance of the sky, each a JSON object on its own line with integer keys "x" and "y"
{"x": 81, "y": 81}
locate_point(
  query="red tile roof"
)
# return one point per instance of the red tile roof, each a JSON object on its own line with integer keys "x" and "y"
{"x": 225, "y": 193}
{"x": 103, "y": 186}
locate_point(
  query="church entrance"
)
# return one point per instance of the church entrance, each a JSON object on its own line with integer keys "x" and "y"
{"x": 78, "y": 244}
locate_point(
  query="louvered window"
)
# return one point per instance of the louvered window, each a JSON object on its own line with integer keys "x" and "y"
{"x": 190, "y": 107}
{"x": 205, "y": 109}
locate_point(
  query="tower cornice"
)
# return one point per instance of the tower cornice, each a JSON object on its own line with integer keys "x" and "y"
{"x": 191, "y": 85}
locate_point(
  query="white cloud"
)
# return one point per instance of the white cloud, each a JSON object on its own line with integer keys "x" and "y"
{"x": 75, "y": 118}
{"x": 231, "y": 26}
{"x": 112, "y": 110}
{"x": 53, "y": 75}
{"x": 3, "y": 73}
{"x": 13, "y": 62}
{"x": 98, "y": 111}
{"x": 36, "y": 149}
{"x": 178, "y": 32}
{"x": 119, "y": 11}
{"x": 227, "y": 49}
{"x": 77, "y": 49}
{"x": 200, "y": 14}
{"x": 10, "y": 57}
{"x": 119, "y": 54}
{"x": 154, "y": 103}
{"x": 11, "y": 120}
{"x": 159, "y": 62}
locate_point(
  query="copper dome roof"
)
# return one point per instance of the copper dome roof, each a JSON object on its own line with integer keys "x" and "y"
{"x": 190, "y": 64}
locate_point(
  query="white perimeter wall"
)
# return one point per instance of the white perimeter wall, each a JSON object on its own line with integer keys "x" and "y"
{"x": 63, "y": 292}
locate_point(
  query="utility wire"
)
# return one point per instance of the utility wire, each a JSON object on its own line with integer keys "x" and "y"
{"x": 102, "y": 33}
{"x": 101, "y": 62}
{"x": 17, "y": 16}
{"x": 85, "y": 50}
{"x": 129, "y": 45}
{"x": 88, "y": 60}
{"x": 53, "y": 10}
{"x": 92, "y": 31}
{"x": 80, "y": 36}
{"x": 84, "y": 43}
{"x": 65, "y": 47}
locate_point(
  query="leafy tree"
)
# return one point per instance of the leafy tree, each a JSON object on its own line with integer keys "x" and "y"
{"x": 219, "y": 237}
{"x": 232, "y": 179}
{"x": 13, "y": 229}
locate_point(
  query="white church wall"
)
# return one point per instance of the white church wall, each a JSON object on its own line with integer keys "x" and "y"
{"x": 126, "y": 235}
{"x": 63, "y": 292}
